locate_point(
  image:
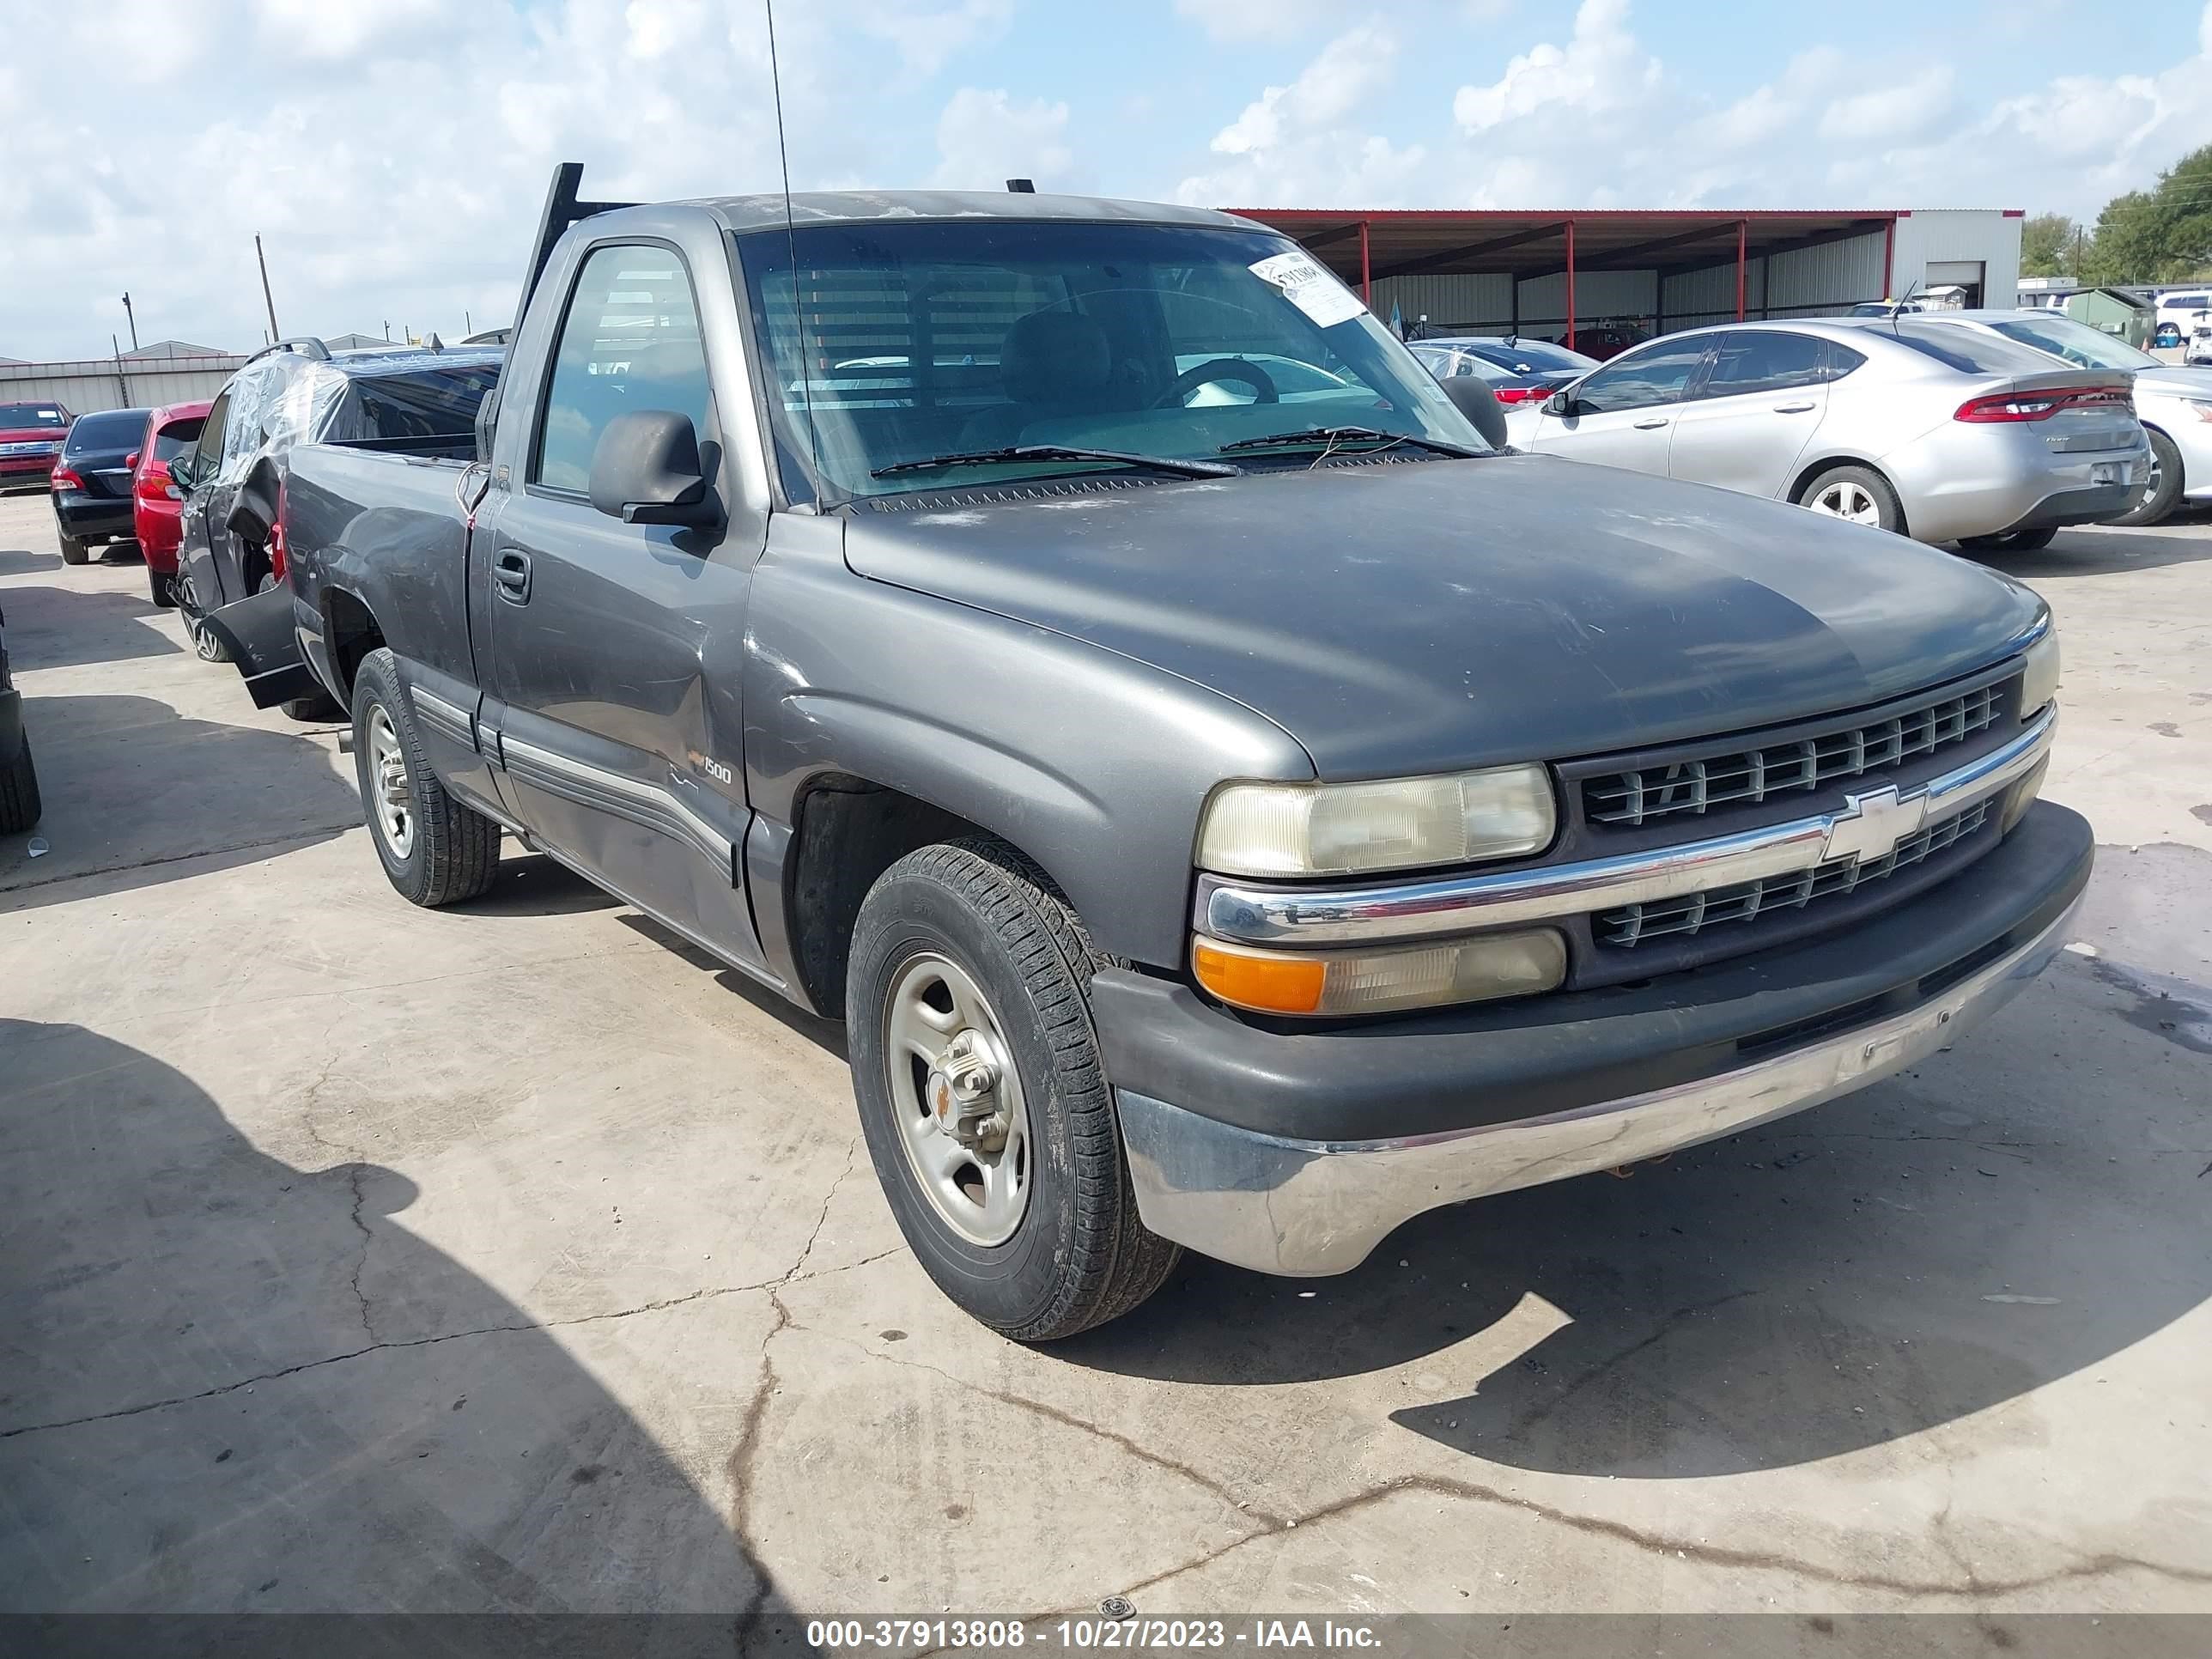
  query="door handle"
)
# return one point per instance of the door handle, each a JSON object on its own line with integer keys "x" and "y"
{"x": 1652, "y": 424}
{"x": 510, "y": 570}
{"x": 1793, "y": 408}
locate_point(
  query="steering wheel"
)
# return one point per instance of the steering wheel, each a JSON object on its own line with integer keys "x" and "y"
{"x": 1218, "y": 368}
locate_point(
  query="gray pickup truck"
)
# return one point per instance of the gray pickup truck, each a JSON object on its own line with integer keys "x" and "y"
{"x": 1229, "y": 804}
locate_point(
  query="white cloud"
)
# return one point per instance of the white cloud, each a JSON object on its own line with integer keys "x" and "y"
{"x": 927, "y": 39}
{"x": 985, "y": 138}
{"x": 1602, "y": 67}
{"x": 1350, "y": 70}
{"x": 1887, "y": 114}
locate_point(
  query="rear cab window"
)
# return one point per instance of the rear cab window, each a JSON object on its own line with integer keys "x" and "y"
{"x": 437, "y": 402}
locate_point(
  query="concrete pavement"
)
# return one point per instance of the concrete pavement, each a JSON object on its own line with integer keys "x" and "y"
{"x": 354, "y": 1256}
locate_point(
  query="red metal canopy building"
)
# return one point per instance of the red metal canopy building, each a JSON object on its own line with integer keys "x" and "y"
{"x": 1478, "y": 270}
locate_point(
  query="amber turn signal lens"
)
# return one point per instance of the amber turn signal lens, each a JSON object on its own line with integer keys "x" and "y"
{"x": 1262, "y": 980}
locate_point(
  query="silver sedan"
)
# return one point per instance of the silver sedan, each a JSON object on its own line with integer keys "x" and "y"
{"x": 1934, "y": 432}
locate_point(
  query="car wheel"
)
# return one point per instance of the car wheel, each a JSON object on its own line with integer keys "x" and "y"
{"x": 207, "y": 645}
{"x": 434, "y": 850}
{"x": 73, "y": 550}
{"x": 19, "y": 792}
{"x": 2162, "y": 490}
{"x": 983, "y": 1097}
{"x": 2009, "y": 541}
{"x": 161, "y": 587}
{"x": 1857, "y": 493}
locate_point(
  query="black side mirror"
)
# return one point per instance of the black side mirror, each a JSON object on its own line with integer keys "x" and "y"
{"x": 1472, "y": 396}
{"x": 645, "y": 470}
{"x": 180, "y": 471}
{"x": 1559, "y": 402}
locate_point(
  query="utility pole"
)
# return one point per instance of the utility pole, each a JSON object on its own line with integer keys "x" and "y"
{"x": 261, "y": 261}
{"x": 133, "y": 316}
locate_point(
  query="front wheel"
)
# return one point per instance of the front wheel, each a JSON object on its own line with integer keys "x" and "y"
{"x": 207, "y": 645}
{"x": 1857, "y": 493}
{"x": 161, "y": 587}
{"x": 983, "y": 1097}
{"x": 434, "y": 850}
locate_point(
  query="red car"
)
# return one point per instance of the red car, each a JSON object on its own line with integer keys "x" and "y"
{"x": 157, "y": 504}
{"x": 31, "y": 435}
{"x": 1604, "y": 341}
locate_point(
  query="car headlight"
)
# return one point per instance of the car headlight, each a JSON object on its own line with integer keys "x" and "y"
{"x": 2039, "y": 681}
{"x": 1394, "y": 823}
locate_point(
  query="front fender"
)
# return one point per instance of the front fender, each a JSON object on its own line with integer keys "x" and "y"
{"x": 1094, "y": 765}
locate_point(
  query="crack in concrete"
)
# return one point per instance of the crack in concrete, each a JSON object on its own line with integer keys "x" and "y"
{"x": 1267, "y": 1519}
{"x": 316, "y": 833}
{"x": 1613, "y": 1361}
{"x": 712, "y": 1292}
{"x": 2091, "y": 1567}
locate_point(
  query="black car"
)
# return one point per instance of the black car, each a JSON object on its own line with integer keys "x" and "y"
{"x": 300, "y": 392}
{"x": 1519, "y": 370}
{"x": 91, "y": 481}
{"x": 19, "y": 784}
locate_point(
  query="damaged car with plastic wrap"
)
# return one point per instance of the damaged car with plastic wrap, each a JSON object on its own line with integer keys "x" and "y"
{"x": 1221, "y": 821}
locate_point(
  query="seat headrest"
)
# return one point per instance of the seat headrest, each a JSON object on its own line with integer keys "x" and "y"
{"x": 1056, "y": 357}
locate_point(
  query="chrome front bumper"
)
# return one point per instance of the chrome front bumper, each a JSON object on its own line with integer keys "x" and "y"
{"x": 1305, "y": 1208}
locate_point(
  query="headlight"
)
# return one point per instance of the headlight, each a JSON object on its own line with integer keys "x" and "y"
{"x": 2038, "y": 684}
{"x": 1345, "y": 982}
{"x": 1398, "y": 824}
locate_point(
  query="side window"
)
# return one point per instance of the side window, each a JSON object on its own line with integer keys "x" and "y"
{"x": 206, "y": 452}
{"x": 1842, "y": 359}
{"x": 1656, "y": 374}
{"x": 630, "y": 341}
{"x": 1765, "y": 359}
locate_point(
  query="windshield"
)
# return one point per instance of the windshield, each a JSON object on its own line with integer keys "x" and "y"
{"x": 21, "y": 417}
{"x": 906, "y": 340}
{"x": 2077, "y": 343}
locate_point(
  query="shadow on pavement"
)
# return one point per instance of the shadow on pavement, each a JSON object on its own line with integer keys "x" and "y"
{"x": 60, "y": 628}
{"x": 532, "y": 885}
{"x": 17, "y": 560}
{"x": 2104, "y": 552}
{"x": 135, "y": 792}
{"x": 178, "y": 1430}
{"x": 1945, "y": 1242}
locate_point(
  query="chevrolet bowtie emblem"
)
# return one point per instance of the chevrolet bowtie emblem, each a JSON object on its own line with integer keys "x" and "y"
{"x": 1870, "y": 825}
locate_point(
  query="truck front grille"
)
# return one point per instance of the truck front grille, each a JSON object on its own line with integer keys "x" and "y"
{"x": 1631, "y": 925}
{"x": 1702, "y": 783}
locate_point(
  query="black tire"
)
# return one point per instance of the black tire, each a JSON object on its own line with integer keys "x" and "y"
{"x": 1891, "y": 511}
{"x": 160, "y": 588}
{"x": 453, "y": 855}
{"x": 1079, "y": 1255}
{"x": 19, "y": 793}
{"x": 2009, "y": 541}
{"x": 2162, "y": 490}
{"x": 73, "y": 550}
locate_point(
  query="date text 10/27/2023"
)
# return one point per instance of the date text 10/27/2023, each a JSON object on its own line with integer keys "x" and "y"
{"x": 1083, "y": 1635}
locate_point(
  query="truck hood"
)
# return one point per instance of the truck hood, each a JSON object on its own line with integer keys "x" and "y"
{"x": 1425, "y": 616}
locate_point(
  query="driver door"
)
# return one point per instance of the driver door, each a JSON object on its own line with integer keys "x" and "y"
{"x": 1624, "y": 413}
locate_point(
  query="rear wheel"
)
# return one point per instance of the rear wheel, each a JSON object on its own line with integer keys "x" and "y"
{"x": 161, "y": 589}
{"x": 73, "y": 550}
{"x": 19, "y": 792}
{"x": 2162, "y": 491}
{"x": 983, "y": 1098}
{"x": 434, "y": 850}
{"x": 2009, "y": 541}
{"x": 1857, "y": 493}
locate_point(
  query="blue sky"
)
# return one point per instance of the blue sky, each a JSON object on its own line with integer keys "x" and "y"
{"x": 393, "y": 152}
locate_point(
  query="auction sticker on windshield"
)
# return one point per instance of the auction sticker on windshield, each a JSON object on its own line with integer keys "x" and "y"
{"x": 1309, "y": 288}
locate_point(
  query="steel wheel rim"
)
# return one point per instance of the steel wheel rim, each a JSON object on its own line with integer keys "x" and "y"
{"x": 1846, "y": 499}
{"x": 392, "y": 799}
{"x": 938, "y": 1025}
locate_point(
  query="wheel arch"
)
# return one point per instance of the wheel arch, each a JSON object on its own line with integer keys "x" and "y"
{"x": 350, "y": 632}
{"x": 1809, "y": 471}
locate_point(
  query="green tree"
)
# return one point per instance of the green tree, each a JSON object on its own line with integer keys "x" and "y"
{"x": 2047, "y": 244}
{"x": 2163, "y": 234}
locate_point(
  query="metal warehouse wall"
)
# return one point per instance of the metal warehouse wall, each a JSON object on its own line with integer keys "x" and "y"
{"x": 1599, "y": 294}
{"x": 1448, "y": 303}
{"x": 86, "y": 388}
{"x": 1805, "y": 281}
{"x": 1968, "y": 235}
{"x": 1698, "y": 297}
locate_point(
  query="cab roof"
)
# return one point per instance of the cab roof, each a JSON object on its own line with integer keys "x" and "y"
{"x": 766, "y": 211}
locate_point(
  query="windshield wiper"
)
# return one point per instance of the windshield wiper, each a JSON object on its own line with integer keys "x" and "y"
{"x": 1062, "y": 452}
{"x": 1344, "y": 434}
